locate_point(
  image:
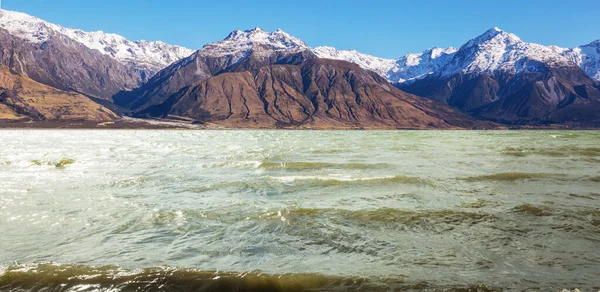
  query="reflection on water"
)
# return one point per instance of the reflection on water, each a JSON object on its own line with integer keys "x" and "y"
{"x": 298, "y": 210}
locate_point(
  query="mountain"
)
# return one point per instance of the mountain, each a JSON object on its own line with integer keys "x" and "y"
{"x": 93, "y": 63}
{"x": 380, "y": 66}
{"x": 405, "y": 69}
{"x": 587, "y": 57}
{"x": 259, "y": 79}
{"x": 413, "y": 67}
{"x": 230, "y": 54}
{"x": 21, "y": 98}
{"x": 496, "y": 76}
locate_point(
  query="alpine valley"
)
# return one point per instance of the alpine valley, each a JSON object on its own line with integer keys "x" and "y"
{"x": 260, "y": 79}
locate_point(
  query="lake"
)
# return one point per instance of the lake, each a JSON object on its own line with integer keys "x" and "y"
{"x": 88, "y": 210}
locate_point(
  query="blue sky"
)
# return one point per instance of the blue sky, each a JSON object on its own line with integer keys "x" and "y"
{"x": 382, "y": 28}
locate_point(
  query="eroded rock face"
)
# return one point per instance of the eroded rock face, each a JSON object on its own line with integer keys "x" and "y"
{"x": 23, "y": 98}
{"x": 317, "y": 93}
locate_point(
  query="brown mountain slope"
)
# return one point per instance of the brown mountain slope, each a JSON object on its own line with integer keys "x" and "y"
{"x": 317, "y": 93}
{"x": 23, "y": 98}
{"x": 200, "y": 66}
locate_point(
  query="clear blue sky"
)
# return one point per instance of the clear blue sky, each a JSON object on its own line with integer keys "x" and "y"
{"x": 383, "y": 28}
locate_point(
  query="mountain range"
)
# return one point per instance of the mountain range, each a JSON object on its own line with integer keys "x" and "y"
{"x": 259, "y": 79}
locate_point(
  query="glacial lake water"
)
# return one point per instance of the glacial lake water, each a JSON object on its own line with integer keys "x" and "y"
{"x": 144, "y": 210}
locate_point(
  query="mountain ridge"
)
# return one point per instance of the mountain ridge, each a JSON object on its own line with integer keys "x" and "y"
{"x": 387, "y": 67}
{"x": 146, "y": 55}
{"x": 495, "y": 76}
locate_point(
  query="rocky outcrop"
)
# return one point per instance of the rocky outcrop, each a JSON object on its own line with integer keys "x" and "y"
{"x": 22, "y": 98}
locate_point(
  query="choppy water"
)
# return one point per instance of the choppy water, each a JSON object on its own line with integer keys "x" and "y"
{"x": 293, "y": 210}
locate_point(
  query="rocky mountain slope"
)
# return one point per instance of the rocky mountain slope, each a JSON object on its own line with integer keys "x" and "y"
{"x": 93, "y": 63}
{"x": 261, "y": 79}
{"x": 21, "y": 98}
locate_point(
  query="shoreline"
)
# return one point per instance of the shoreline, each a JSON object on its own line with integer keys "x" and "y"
{"x": 128, "y": 123}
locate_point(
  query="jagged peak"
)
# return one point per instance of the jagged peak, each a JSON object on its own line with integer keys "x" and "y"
{"x": 240, "y": 42}
{"x": 258, "y": 35}
{"x": 256, "y": 29}
{"x": 436, "y": 52}
{"x": 493, "y": 34}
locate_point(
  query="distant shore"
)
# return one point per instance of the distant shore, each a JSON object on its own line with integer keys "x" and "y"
{"x": 128, "y": 123}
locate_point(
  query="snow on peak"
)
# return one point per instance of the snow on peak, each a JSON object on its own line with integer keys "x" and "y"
{"x": 587, "y": 57}
{"x": 380, "y": 66}
{"x": 239, "y": 44}
{"x": 25, "y": 26}
{"x": 494, "y": 35}
{"x": 148, "y": 55}
{"x": 417, "y": 66}
{"x": 404, "y": 69}
{"x": 497, "y": 50}
{"x": 494, "y": 50}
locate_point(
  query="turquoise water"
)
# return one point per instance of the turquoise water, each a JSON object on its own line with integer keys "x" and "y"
{"x": 493, "y": 210}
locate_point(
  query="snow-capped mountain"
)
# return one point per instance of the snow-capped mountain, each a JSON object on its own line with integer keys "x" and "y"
{"x": 494, "y": 50}
{"x": 498, "y": 76}
{"x": 587, "y": 57}
{"x": 238, "y": 44}
{"x": 380, "y": 66}
{"x": 262, "y": 79}
{"x": 418, "y": 66}
{"x": 239, "y": 51}
{"x": 405, "y": 69}
{"x": 497, "y": 50}
{"x": 145, "y": 55}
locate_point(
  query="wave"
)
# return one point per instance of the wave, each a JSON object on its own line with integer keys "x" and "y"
{"x": 295, "y": 165}
{"x": 478, "y": 204}
{"x": 399, "y": 216}
{"x": 292, "y": 183}
{"x": 513, "y": 176}
{"x": 526, "y": 176}
{"x": 411, "y": 218}
{"x": 330, "y": 181}
{"x": 525, "y": 151}
{"x": 54, "y": 277}
{"x": 594, "y": 179}
{"x": 318, "y": 165}
{"x": 529, "y": 209}
{"x": 563, "y": 151}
